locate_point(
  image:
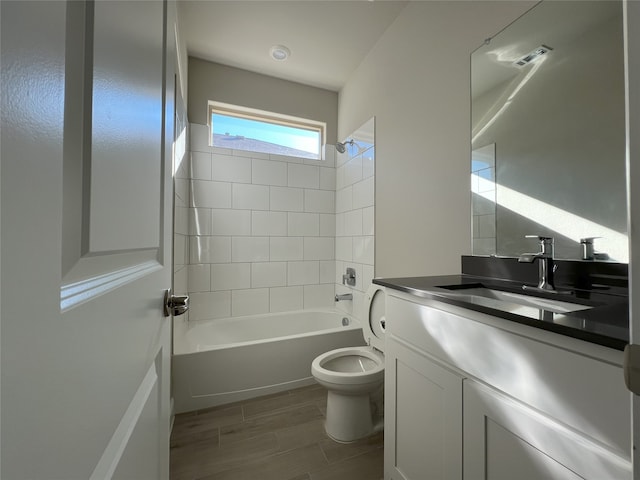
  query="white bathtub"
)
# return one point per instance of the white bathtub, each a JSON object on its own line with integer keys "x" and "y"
{"x": 226, "y": 360}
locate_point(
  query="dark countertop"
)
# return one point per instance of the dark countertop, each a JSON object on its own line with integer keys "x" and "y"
{"x": 605, "y": 323}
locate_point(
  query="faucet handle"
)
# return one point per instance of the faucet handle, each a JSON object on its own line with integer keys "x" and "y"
{"x": 539, "y": 237}
{"x": 546, "y": 243}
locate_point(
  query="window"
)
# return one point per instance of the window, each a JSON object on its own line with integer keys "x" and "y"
{"x": 241, "y": 128}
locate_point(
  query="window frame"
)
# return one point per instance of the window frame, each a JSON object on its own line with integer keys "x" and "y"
{"x": 266, "y": 117}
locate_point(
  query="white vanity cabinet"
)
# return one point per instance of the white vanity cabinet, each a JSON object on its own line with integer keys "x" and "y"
{"x": 470, "y": 396}
{"x": 423, "y": 421}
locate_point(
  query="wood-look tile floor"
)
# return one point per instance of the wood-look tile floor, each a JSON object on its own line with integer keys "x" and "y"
{"x": 277, "y": 437}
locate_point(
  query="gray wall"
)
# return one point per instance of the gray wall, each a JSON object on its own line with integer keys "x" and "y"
{"x": 221, "y": 83}
{"x": 415, "y": 81}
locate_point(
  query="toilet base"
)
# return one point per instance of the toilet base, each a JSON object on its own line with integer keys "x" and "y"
{"x": 349, "y": 417}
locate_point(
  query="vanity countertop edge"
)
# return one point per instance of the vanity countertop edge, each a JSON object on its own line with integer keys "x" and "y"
{"x": 606, "y": 323}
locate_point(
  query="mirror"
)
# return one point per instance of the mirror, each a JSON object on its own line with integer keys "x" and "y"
{"x": 548, "y": 142}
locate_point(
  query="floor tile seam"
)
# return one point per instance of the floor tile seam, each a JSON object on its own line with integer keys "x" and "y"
{"x": 281, "y": 409}
{"x": 351, "y": 457}
{"x": 292, "y": 410}
{"x": 255, "y": 461}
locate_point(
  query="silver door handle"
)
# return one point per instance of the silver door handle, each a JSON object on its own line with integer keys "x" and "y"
{"x": 175, "y": 304}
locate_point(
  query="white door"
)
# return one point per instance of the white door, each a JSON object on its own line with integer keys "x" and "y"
{"x": 86, "y": 243}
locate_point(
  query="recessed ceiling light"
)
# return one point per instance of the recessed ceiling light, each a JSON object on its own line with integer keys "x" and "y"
{"x": 280, "y": 53}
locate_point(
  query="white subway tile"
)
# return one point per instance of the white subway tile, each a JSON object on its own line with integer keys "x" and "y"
{"x": 286, "y": 248}
{"x": 230, "y": 222}
{"x": 181, "y": 186}
{"x": 180, "y": 256}
{"x": 327, "y": 271}
{"x": 353, "y": 172}
{"x": 344, "y": 200}
{"x": 210, "y": 194}
{"x": 340, "y": 224}
{"x": 250, "y": 249}
{"x": 183, "y": 166}
{"x": 344, "y": 248}
{"x": 319, "y": 296}
{"x": 327, "y": 225}
{"x": 340, "y": 267}
{"x": 340, "y": 175}
{"x": 320, "y": 201}
{"x": 199, "y": 138}
{"x": 286, "y": 299}
{"x": 199, "y": 277}
{"x": 303, "y": 224}
{"x": 209, "y": 250}
{"x": 353, "y": 223}
{"x": 180, "y": 280}
{"x": 271, "y": 224}
{"x": 250, "y": 197}
{"x": 329, "y": 155}
{"x": 269, "y": 274}
{"x": 181, "y": 221}
{"x": 341, "y": 158}
{"x": 227, "y": 168}
{"x": 230, "y": 276}
{"x": 248, "y": 153}
{"x": 363, "y": 250}
{"x": 249, "y": 302}
{"x": 269, "y": 172}
{"x": 286, "y": 158}
{"x": 201, "y": 165}
{"x": 303, "y": 273}
{"x": 327, "y": 178}
{"x": 368, "y": 163}
{"x": 286, "y": 199}
{"x": 199, "y": 221}
{"x": 368, "y": 221}
{"x": 319, "y": 248}
{"x": 363, "y": 193}
{"x": 367, "y": 276}
{"x": 303, "y": 176}
{"x": 203, "y": 306}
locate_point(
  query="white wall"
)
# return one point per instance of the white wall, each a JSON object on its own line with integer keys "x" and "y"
{"x": 416, "y": 82}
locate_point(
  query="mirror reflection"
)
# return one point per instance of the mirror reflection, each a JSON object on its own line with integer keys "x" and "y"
{"x": 548, "y": 144}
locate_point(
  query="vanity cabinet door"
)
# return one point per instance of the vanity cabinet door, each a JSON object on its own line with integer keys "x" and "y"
{"x": 504, "y": 439}
{"x": 423, "y": 419}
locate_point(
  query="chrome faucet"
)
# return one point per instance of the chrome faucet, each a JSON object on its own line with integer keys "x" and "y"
{"x": 344, "y": 296}
{"x": 547, "y": 265}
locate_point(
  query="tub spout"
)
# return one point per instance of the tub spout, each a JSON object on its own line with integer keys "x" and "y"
{"x": 344, "y": 296}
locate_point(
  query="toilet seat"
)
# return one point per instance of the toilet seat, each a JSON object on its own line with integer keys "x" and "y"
{"x": 373, "y": 326}
{"x": 324, "y": 367}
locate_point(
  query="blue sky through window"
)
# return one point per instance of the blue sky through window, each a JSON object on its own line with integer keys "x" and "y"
{"x": 298, "y": 138}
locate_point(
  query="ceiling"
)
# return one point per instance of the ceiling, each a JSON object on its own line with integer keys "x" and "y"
{"x": 328, "y": 39}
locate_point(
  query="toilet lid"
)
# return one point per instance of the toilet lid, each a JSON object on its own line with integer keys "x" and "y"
{"x": 374, "y": 322}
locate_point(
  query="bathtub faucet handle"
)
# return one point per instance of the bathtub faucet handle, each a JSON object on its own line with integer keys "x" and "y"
{"x": 349, "y": 278}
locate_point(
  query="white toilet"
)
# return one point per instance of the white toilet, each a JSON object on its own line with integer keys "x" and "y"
{"x": 351, "y": 375}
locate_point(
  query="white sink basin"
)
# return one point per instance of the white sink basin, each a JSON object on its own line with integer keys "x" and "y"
{"x": 556, "y": 306}
{"x": 520, "y": 304}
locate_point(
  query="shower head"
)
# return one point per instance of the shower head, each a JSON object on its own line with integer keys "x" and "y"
{"x": 342, "y": 147}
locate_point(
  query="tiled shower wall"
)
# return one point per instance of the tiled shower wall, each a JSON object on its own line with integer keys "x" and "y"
{"x": 258, "y": 233}
{"x": 261, "y": 231}
{"x": 355, "y": 193}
